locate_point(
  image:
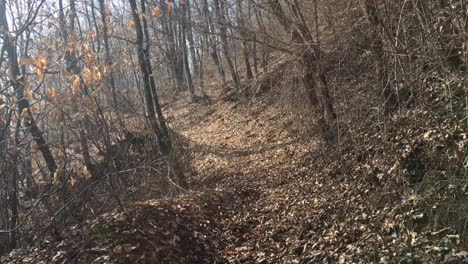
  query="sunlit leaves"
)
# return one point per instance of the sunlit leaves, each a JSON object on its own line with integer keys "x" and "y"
{"x": 92, "y": 76}
{"x": 86, "y": 173}
{"x": 86, "y": 48}
{"x": 29, "y": 94}
{"x": 57, "y": 178}
{"x": 170, "y": 7}
{"x": 111, "y": 30}
{"x": 76, "y": 84}
{"x": 52, "y": 93}
{"x": 157, "y": 11}
{"x": 41, "y": 66}
{"x": 2, "y": 104}
{"x": 97, "y": 74}
{"x": 88, "y": 77}
{"x": 76, "y": 53}
{"x": 27, "y": 118}
{"x": 73, "y": 181}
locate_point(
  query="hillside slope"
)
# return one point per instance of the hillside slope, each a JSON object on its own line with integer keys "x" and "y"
{"x": 262, "y": 193}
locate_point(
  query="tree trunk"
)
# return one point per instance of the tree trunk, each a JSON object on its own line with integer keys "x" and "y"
{"x": 219, "y": 7}
{"x": 266, "y": 48}
{"x": 109, "y": 63}
{"x": 18, "y": 82}
{"x": 72, "y": 66}
{"x": 188, "y": 25}
{"x": 188, "y": 75}
{"x": 96, "y": 27}
{"x": 148, "y": 83}
{"x": 211, "y": 41}
{"x": 152, "y": 102}
{"x": 245, "y": 48}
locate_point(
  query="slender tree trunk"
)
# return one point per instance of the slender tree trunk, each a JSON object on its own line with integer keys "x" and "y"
{"x": 174, "y": 54}
{"x": 183, "y": 19}
{"x": 254, "y": 38}
{"x": 152, "y": 102}
{"x": 72, "y": 66}
{"x": 18, "y": 82}
{"x": 189, "y": 30}
{"x": 109, "y": 62}
{"x": 96, "y": 27}
{"x": 146, "y": 52}
{"x": 13, "y": 193}
{"x": 266, "y": 48}
{"x": 245, "y": 48}
{"x": 211, "y": 41}
{"x": 219, "y": 8}
{"x": 149, "y": 84}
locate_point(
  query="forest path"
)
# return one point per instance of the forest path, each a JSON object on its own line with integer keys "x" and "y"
{"x": 255, "y": 153}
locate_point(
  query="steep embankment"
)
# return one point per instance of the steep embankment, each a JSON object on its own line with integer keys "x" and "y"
{"x": 262, "y": 193}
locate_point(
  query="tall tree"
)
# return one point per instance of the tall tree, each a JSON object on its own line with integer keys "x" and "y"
{"x": 222, "y": 24}
{"x": 244, "y": 37}
{"x": 105, "y": 19}
{"x": 185, "y": 29}
{"x": 189, "y": 29}
{"x": 72, "y": 67}
{"x": 18, "y": 82}
{"x": 152, "y": 102}
{"x": 211, "y": 40}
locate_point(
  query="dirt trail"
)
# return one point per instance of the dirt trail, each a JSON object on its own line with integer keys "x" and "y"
{"x": 256, "y": 154}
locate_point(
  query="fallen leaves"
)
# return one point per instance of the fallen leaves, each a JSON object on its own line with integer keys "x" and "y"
{"x": 265, "y": 195}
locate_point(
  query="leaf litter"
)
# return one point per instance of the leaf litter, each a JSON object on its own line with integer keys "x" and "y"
{"x": 262, "y": 193}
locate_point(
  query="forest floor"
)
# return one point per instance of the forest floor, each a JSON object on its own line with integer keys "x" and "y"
{"x": 257, "y": 155}
{"x": 261, "y": 193}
